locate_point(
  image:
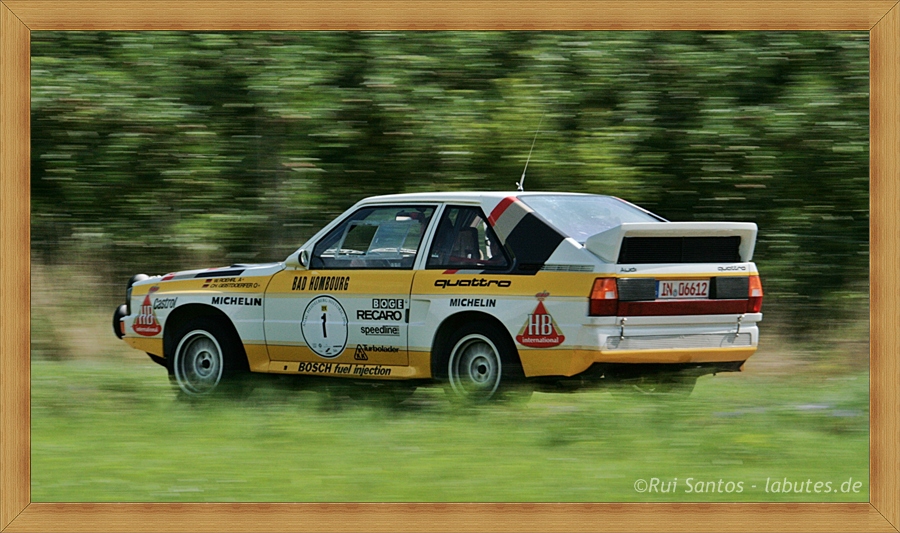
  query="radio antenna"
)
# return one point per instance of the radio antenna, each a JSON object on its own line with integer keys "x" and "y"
{"x": 520, "y": 186}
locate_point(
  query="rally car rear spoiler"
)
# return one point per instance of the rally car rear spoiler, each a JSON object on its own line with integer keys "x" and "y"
{"x": 675, "y": 242}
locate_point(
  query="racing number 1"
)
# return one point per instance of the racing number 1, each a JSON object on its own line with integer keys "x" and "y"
{"x": 324, "y": 331}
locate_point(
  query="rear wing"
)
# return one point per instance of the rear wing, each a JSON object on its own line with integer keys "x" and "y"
{"x": 675, "y": 242}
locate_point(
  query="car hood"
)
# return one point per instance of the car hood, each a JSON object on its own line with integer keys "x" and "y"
{"x": 232, "y": 271}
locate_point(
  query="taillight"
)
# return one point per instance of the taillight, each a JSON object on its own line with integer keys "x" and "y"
{"x": 754, "y": 303}
{"x": 604, "y": 297}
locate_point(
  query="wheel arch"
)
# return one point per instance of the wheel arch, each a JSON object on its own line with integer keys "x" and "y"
{"x": 187, "y": 312}
{"x": 451, "y": 324}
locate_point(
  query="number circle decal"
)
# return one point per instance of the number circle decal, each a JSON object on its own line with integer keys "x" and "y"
{"x": 324, "y": 327}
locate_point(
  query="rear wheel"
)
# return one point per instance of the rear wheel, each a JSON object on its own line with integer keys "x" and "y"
{"x": 482, "y": 364}
{"x": 207, "y": 359}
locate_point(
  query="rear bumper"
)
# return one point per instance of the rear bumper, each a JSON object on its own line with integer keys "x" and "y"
{"x": 572, "y": 362}
{"x": 643, "y": 342}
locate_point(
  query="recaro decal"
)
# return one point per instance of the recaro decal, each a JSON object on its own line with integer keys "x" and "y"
{"x": 379, "y": 314}
{"x": 540, "y": 330}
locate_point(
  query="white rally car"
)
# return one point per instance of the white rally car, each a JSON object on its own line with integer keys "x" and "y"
{"x": 482, "y": 291}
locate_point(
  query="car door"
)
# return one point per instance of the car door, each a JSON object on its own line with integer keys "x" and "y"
{"x": 466, "y": 269}
{"x": 351, "y": 306}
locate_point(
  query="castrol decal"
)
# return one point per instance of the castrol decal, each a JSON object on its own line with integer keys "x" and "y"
{"x": 540, "y": 330}
{"x": 145, "y": 323}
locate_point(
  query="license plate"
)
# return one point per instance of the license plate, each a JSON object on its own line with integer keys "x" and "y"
{"x": 678, "y": 289}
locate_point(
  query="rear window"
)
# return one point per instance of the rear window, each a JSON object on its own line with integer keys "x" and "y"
{"x": 579, "y": 217}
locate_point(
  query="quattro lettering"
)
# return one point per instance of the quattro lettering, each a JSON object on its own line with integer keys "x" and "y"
{"x": 475, "y": 282}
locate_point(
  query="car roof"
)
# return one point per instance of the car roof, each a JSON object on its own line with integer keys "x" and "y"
{"x": 461, "y": 196}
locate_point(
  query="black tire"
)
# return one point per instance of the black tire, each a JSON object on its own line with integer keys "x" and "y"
{"x": 481, "y": 363}
{"x": 207, "y": 359}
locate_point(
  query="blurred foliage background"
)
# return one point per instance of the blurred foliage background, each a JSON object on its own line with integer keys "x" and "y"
{"x": 162, "y": 151}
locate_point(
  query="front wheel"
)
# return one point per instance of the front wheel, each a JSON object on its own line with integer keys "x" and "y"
{"x": 483, "y": 365}
{"x": 206, "y": 357}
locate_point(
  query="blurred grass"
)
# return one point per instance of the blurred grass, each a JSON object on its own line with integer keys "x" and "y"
{"x": 106, "y": 427}
{"x": 112, "y": 431}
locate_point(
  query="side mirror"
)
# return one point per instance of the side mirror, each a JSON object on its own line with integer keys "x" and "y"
{"x": 298, "y": 259}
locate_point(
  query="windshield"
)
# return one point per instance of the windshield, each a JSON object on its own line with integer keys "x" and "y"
{"x": 579, "y": 216}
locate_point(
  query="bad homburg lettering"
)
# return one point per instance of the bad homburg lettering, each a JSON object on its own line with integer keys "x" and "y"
{"x": 320, "y": 283}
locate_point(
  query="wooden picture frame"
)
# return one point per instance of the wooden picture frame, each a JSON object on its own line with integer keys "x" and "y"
{"x": 18, "y": 18}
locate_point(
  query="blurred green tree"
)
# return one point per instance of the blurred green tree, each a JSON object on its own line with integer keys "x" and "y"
{"x": 165, "y": 150}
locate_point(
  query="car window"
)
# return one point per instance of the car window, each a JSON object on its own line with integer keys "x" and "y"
{"x": 465, "y": 240}
{"x": 374, "y": 237}
{"x": 580, "y": 216}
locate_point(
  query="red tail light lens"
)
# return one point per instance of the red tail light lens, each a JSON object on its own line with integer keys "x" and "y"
{"x": 604, "y": 297}
{"x": 754, "y": 303}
